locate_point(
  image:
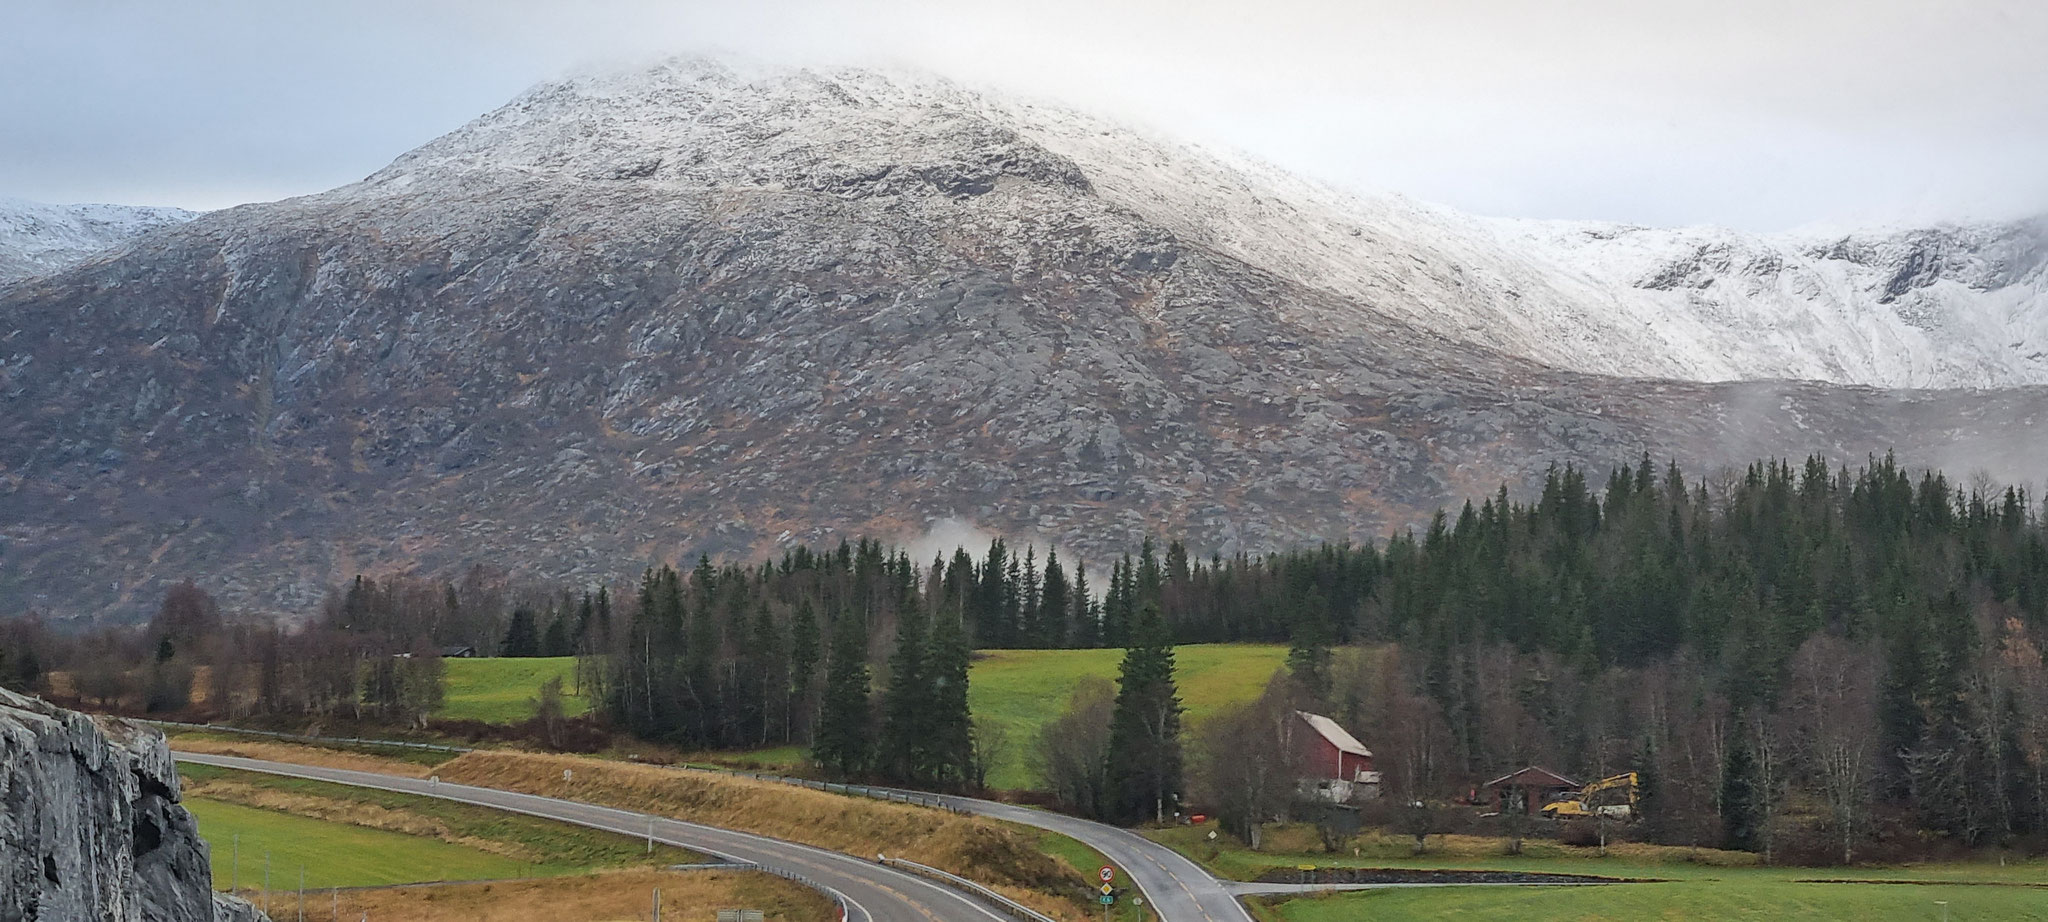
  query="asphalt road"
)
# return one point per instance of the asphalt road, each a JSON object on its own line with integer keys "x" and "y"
{"x": 872, "y": 892}
{"x": 1178, "y": 888}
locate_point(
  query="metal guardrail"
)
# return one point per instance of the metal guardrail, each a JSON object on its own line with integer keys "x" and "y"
{"x": 1015, "y": 909}
{"x": 849, "y": 911}
{"x": 895, "y": 795}
{"x": 304, "y": 738}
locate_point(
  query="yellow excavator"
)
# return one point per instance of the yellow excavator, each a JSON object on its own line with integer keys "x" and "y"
{"x": 1614, "y": 798}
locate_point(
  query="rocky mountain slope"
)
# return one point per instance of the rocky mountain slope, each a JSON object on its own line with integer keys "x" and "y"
{"x": 692, "y": 308}
{"x": 92, "y": 828}
{"x": 37, "y": 238}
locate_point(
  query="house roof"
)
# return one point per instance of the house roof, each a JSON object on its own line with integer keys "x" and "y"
{"x": 1534, "y": 777}
{"x": 1337, "y": 735}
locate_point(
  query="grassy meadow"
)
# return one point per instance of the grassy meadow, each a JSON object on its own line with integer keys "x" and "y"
{"x": 1023, "y": 690}
{"x": 501, "y": 690}
{"x": 1705, "y": 884}
{"x": 1019, "y": 690}
{"x": 1745, "y": 895}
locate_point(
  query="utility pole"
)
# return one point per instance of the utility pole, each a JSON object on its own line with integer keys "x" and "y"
{"x": 266, "y": 881}
{"x": 302, "y": 893}
{"x": 657, "y": 904}
{"x": 235, "y": 875}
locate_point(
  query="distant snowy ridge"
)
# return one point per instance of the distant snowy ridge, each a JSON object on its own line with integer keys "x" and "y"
{"x": 1939, "y": 307}
{"x": 36, "y": 238}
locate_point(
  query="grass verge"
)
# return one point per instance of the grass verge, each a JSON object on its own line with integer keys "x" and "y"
{"x": 530, "y": 841}
{"x": 689, "y": 897}
{"x": 1005, "y": 858}
{"x": 244, "y": 841}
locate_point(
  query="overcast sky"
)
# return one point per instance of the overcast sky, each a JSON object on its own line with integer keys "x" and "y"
{"x": 1762, "y": 114}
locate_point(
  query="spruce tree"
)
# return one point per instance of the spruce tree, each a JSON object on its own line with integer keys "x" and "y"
{"x": 771, "y": 664}
{"x": 522, "y": 638}
{"x": 1053, "y": 604}
{"x": 907, "y": 706}
{"x": 1309, "y": 658}
{"x": 950, "y": 724}
{"x": 843, "y": 740}
{"x": 556, "y": 642}
{"x": 1738, "y": 794}
{"x": 803, "y": 666}
{"x": 1087, "y": 627}
{"x": 1144, "y": 736}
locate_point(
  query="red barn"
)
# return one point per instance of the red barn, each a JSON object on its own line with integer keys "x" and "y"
{"x": 1338, "y": 767}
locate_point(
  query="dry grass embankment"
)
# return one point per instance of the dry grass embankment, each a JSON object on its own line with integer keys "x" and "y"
{"x": 998, "y": 856}
{"x": 689, "y": 896}
{"x": 300, "y": 755}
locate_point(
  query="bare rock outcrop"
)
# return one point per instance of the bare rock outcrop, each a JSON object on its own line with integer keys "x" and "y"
{"x": 90, "y": 826}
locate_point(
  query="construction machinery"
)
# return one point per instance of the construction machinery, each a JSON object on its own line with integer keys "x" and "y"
{"x": 1613, "y": 798}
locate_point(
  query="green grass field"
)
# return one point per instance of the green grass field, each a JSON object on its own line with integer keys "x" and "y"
{"x": 501, "y": 690}
{"x": 334, "y": 854}
{"x": 1738, "y": 895}
{"x": 1981, "y": 889}
{"x": 1022, "y": 690}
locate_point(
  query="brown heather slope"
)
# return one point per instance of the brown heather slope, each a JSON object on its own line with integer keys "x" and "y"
{"x": 994, "y": 854}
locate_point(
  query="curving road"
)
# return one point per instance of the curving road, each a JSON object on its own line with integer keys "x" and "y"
{"x": 1173, "y": 884}
{"x": 872, "y": 892}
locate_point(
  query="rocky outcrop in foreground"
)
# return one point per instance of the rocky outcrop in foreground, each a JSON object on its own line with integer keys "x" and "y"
{"x": 90, "y": 827}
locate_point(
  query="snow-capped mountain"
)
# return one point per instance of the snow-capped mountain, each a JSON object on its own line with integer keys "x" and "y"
{"x": 36, "y": 238}
{"x": 1941, "y": 307}
{"x": 699, "y": 308}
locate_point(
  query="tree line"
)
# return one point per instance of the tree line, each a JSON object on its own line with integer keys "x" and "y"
{"x": 1773, "y": 647}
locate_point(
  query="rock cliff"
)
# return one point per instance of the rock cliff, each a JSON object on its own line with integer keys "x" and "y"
{"x": 91, "y": 830}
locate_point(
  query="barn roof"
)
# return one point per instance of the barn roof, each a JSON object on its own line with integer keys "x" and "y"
{"x": 1337, "y": 736}
{"x": 1534, "y": 777}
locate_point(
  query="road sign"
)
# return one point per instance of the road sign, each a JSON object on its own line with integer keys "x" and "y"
{"x": 1107, "y": 873}
{"x": 1107, "y": 899}
{"x": 1107, "y": 889}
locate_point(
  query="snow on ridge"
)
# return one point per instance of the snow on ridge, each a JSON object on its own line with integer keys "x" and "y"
{"x": 1949, "y": 306}
{"x": 36, "y": 238}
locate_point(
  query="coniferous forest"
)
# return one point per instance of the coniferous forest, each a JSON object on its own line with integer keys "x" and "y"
{"x": 1843, "y": 652}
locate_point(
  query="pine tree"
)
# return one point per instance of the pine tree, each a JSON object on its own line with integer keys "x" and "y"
{"x": 803, "y": 667}
{"x": 1738, "y": 794}
{"x": 1087, "y": 627}
{"x": 843, "y": 741}
{"x": 556, "y": 642}
{"x": 1309, "y": 658}
{"x": 1053, "y": 604}
{"x": 771, "y": 676}
{"x": 522, "y": 638}
{"x": 950, "y": 723}
{"x": 907, "y": 706}
{"x": 1145, "y": 743}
